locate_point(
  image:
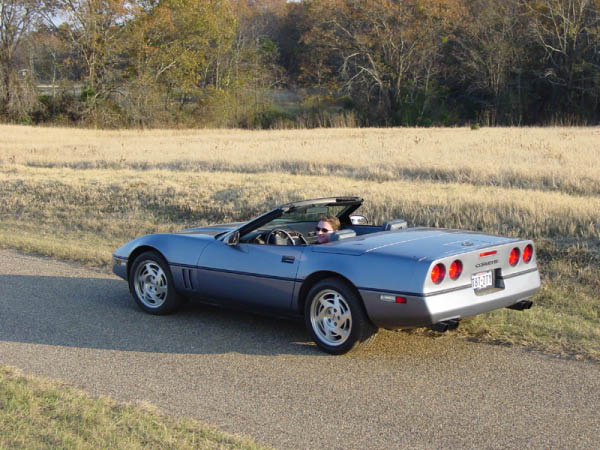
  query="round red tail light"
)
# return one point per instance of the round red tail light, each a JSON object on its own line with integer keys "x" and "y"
{"x": 455, "y": 269}
{"x": 438, "y": 273}
{"x": 527, "y": 253}
{"x": 513, "y": 258}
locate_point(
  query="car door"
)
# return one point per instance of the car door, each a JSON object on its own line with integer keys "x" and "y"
{"x": 251, "y": 273}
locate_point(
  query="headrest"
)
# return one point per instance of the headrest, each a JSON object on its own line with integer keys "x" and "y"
{"x": 398, "y": 224}
{"x": 341, "y": 234}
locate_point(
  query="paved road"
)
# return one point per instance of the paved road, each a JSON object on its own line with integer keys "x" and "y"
{"x": 261, "y": 377}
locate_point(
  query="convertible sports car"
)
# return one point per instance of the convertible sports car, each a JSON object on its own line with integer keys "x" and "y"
{"x": 366, "y": 277}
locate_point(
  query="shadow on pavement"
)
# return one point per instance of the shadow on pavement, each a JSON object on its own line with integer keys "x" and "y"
{"x": 100, "y": 313}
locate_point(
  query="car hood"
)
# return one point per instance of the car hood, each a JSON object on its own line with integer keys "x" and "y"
{"x": 418, "y": 243}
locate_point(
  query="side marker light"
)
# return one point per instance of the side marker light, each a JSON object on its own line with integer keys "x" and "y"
{"x": 392, "y": 298}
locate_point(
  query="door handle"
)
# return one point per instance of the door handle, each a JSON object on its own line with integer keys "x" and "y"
{"x": 288, "y": 259}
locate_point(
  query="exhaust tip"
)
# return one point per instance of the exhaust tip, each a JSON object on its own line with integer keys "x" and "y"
{"x": 522, "y": 305}
{"x": 445, "y": 325}
{"x": 453, "y": 324}
{"x": 441, "y": 327}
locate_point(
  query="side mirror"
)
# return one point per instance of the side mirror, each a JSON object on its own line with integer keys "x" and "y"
{"x": 359, "y": 220}
{"x": 233, "y": 239}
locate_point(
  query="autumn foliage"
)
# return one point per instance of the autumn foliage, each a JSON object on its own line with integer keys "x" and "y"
{"x": 272, "y": 63}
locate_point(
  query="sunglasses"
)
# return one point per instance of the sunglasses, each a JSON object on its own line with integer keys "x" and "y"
{"x": 323, "y": 230}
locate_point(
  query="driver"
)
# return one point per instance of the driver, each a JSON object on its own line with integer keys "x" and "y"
{"x": 326, "y": 226}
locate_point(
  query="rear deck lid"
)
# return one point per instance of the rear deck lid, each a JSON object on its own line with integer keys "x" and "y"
{"x": 418, "y": 243}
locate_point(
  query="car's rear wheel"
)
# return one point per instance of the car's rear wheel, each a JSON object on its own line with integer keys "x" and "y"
{"x": 335, "y": 317}
{"x": 151, "y": 284}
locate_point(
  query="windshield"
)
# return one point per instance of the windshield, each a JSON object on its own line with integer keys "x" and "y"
{"x": 306, "y": 214}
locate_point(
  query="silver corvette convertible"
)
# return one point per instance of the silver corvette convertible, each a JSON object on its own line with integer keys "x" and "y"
{"x": 366, "y": 277}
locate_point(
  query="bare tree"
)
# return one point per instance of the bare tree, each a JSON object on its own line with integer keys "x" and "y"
{"x": 568, "y": 32}
{"x": 489, "y": 48}
{"x": 94, "y": 31}
{"x": 384, "y": 50}
{"x": 17, "y": 18}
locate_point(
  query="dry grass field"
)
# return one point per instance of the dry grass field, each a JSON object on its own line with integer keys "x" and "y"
{"x": 79, "y": 194}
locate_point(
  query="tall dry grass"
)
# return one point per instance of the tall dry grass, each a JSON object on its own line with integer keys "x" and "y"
{"x": 79, "y": 194}
{"x": 557, "y": 159}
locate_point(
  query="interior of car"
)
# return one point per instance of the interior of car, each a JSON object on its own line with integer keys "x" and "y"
{"x": 295, "y": 224}
{"x": 303, "y": 233}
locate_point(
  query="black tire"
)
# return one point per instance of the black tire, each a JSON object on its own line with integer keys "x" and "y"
{"x": 335, "y": 317}
{"x": 151, "y": 285}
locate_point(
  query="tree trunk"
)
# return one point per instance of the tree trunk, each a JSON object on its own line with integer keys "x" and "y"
{"x": 5, "y": 105}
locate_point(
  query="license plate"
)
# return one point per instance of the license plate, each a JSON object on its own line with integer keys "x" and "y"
{"x": 482, "y": 280}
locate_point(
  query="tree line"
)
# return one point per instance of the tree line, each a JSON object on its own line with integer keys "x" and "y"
{"x": 274, "y": 63}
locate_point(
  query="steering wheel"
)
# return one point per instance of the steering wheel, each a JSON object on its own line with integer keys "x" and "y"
{"x": 300, "y": 236}
{"x": 287, "y": 235}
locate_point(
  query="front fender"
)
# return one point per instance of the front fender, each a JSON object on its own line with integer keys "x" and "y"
{"x": 177, "y": 249}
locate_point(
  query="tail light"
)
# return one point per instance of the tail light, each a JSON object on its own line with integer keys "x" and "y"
{"x": 527, "y": 253}
{"x": 438, "y": 273}
{"x": 455, "y": 269}
{"x": 513, "y": 258}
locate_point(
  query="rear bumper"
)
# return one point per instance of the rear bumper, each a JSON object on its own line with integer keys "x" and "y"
{"x": 420, "y": 311}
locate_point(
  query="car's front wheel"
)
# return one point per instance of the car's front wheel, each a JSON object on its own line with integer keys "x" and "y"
{"x": 151, "y": 284}
{"x": 335, "y": 317}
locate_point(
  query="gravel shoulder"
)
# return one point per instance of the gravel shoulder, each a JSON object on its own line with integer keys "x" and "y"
{"x": 262, "y": 377}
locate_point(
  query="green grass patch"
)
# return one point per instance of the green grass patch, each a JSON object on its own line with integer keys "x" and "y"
{"x": 84, "y": 247}
{"x": 551, "y": 325}
{"x": 38, "y": 413}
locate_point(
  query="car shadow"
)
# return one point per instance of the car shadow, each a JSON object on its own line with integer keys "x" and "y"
{"x": 100, "y": 313}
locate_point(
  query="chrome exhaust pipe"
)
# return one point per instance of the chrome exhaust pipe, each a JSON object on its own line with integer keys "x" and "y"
{"x": 522, "y": 305}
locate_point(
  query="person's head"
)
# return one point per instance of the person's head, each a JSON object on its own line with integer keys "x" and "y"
{"x": 326, "y": 226}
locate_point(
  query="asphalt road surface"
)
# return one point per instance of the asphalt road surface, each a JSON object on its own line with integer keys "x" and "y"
{"x": 262, "y": 377}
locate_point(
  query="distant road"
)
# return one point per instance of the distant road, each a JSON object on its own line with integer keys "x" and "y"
{"x": 53, "y": 88}
{"x": 261, "y": 377}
